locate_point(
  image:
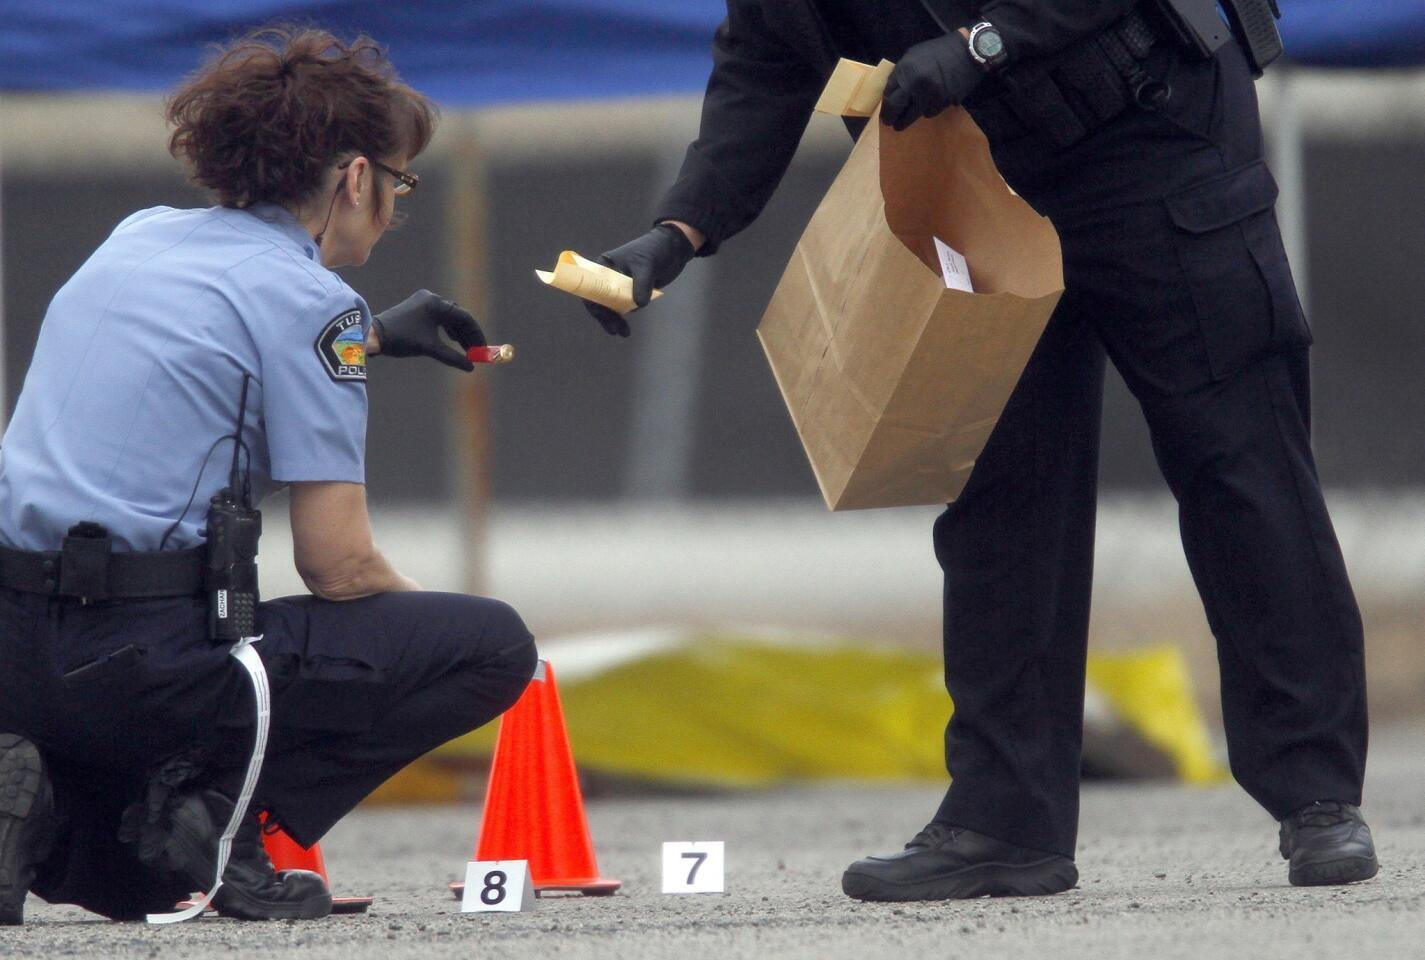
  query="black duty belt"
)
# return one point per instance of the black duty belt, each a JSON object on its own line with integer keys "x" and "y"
{"x": 90, "y": 574}
{"x": 1068, "y": 95}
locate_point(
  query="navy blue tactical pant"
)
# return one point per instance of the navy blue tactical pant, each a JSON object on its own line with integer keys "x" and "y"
{"x": 1175, "y": 270}
{"x": 113, "y": 691}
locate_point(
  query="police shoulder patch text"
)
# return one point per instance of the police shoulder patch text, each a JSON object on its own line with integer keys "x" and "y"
{"x": 342, "y": 347}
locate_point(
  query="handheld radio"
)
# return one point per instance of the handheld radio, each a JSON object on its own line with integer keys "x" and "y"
{"x": 233, "y": 529}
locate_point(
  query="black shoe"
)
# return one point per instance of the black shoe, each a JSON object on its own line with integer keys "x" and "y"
{"x": 27, "y": 823}
{"x": 1328, "y": 842}
{"x": 952, "y": 863}
{"x": 252, "y": 889}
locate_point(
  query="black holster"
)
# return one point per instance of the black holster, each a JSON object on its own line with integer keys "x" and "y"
{"x": 1199, "y": 27}
{"x": 1255, "y": 24}
{"x": 84, "y": 562}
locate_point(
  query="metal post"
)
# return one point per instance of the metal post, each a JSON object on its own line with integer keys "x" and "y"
{"x": 1287, "y": 146}
{"x": 469, "y": 273}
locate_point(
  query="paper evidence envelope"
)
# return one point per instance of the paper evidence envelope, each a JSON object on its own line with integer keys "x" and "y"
{"x": 855, "y": 89}
{"x": 592, "y": 281}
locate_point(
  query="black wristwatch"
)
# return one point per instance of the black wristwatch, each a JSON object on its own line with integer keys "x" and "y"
{"x": 987, "y": 46}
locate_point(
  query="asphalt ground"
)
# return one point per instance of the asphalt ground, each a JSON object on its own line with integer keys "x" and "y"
{"x": 1166, "y": 872}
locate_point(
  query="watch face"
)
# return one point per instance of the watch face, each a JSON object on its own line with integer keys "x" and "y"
{"x": 989, "y": 44}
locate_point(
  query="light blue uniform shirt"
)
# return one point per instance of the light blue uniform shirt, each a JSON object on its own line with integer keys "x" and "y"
{"x": 139, "y": 367}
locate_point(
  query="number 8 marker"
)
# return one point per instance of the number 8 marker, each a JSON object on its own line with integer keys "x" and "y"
{"x": 500, "y": 886}
{"x": 494, "y": 890}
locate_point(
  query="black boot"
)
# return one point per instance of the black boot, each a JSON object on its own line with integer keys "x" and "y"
{"x": 27, "y": 823}
{"x": 252, "y": 889}
{"x": 952, "y": 863}
{"x": 1328, "y": 842}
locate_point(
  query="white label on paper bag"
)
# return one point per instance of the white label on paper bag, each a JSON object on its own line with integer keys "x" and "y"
{"x": 953, "y": 267}
{"x": 692, "y": 867}
{"x": 498, "y": 886}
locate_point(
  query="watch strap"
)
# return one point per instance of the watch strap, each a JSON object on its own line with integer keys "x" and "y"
{"x": 994, "y": 61}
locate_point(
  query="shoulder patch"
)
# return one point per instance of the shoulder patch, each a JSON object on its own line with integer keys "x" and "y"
{"x": 342, "y": 347}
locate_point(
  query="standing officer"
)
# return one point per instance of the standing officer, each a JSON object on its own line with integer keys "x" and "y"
{"x": 1147, "y": 157}
{"x": 198, "y": 350}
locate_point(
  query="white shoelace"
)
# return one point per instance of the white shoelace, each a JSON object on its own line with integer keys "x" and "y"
{"x": 244, "y": 653}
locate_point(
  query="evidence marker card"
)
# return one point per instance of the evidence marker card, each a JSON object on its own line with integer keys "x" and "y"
{"x": 953, "y": 267}
{"x": 497, "y": 886}
{"x": 693, "y": 867}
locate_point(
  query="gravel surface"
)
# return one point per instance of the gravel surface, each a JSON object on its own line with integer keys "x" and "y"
{"x": 1165, "y": 872}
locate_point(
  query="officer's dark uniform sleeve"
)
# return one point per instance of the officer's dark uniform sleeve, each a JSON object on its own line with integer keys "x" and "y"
{"x": 1034, "y": 28}
{"x": 758, "y": 101}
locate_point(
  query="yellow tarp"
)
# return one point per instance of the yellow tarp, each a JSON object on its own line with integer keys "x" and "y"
{"x": 730, "y": 711}
{"x": 1151, "y": 692}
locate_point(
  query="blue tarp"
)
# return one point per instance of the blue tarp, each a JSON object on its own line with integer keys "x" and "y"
{"x": 480, "y": 52}
{"x": 1354, "y": 33}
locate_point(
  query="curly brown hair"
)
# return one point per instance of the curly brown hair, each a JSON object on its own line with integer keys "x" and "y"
{"x": 264, "y": 119}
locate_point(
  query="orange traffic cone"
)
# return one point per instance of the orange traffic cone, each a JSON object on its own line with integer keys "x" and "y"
{"x": 533, "y": 807}
{"x": 286, "y": 854}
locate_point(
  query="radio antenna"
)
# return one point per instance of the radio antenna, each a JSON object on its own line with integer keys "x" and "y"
{"x": 238, "y": 443}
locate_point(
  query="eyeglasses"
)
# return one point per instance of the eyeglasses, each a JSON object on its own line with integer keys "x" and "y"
{"x": 405, "y": 182}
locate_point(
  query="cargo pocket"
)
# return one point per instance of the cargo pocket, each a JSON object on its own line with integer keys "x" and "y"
{"x": 333, "y": 695}
{"x": 105, "y": 689}
{"x": 1236, "y": 269}
{"x": 105, "y": 669}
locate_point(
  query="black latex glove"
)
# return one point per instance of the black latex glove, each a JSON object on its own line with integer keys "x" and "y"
{"x": 653, "y": 260}
{"x": 931, "y": 76}
{"x": 412, "y": 329}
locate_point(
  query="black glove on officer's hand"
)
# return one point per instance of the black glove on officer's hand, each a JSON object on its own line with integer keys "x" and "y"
{"x": 653, "y": 260}
{"x": 930, "y": 77}
{"x": 412, "y": 329}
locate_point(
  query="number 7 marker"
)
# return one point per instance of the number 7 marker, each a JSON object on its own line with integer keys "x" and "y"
{"x": 695, "y": 867}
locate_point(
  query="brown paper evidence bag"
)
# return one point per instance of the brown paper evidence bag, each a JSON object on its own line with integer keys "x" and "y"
{"x": 894, "y": 381}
